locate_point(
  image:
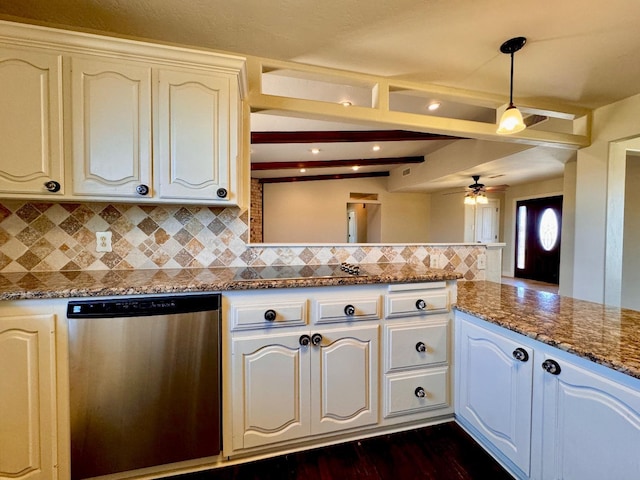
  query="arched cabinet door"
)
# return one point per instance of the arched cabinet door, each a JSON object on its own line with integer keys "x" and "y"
{"x": 27, "y": 398}
{"x": 111, "y": 118}
{"x": 494, "y": 389}
{"x": 197, "y": 135}
{"x": 590, "y": 424}
{"x": 270, "y": 390}
{"x": 344, "y": 379}
{"x": 31, "y": 123}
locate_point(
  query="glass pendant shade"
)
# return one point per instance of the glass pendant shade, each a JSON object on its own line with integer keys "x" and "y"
{"x": 482, "y": 199}
{"x": 469, "y": 199}
{"x": 511, "y": 121}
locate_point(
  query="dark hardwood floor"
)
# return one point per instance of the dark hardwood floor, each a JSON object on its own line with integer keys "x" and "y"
{"x": 440, "y": 452}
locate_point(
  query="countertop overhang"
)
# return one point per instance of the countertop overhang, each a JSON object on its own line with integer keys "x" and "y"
{"x": 91, "y": 283}
{"x": 606, "y": 335}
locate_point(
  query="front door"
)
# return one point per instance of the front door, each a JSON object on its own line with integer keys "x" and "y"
{"x": 538, "y": 228}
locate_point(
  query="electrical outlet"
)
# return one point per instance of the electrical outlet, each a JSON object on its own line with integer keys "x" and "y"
{"x": 481, "y": 261}
{"x": 103, "y": 241}
{"x": 433, "y": 261}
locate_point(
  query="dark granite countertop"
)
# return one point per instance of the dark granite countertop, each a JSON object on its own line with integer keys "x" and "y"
{"x": 606, "y": 335}
{"x": 16, "y": 286}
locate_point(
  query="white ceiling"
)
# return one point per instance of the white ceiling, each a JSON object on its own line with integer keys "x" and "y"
{"x": 579, "y": 52}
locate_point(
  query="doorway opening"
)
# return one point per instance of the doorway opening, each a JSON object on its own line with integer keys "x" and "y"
{"x": 538, "y": 233}
{"x": 363, "y": 223}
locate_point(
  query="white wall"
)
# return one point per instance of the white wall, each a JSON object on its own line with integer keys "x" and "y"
{"x": 568, "y": 229}
{"x": 631, "y": 237}
{"x": 316, "y": 211}
{"x": 611, "y": 123}
{"x": 544, "y": 188}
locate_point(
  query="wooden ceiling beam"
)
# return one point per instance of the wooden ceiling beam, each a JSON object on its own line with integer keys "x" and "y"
{"x": 258, "y": 138}
{"x": 308, "y": 178}
{"x": 360, "y": 162}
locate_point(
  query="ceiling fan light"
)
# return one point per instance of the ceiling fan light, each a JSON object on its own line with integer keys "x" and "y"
{"x": 482, "y": 199}
{"x": 469, "y": 199}
{"x": 511, "y": 121}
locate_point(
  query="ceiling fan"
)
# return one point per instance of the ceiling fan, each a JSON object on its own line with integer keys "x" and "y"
{"x": 476, "y": 187}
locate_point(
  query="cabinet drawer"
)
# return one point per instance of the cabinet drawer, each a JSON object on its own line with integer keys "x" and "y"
{"x": 271, "y": 314}
{"x": 402, "y": 391}
{"x": 417, "y": 303}
{"x": 411, "y": 345}
{"x": 341, "y": 310}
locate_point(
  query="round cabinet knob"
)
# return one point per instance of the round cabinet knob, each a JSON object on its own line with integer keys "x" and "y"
{"x": 142, "y": 189}
{"x": 52, "y": 186}
{"x": 349, "y": 310}
{"x": 304, "y": 340}
{"x": 421, "y": 304}
{"x": 222, "y": 193}
{"x": 270, "y": 315}
{"x": 552, "y": 367}
{"x": 420, "y": 393}
{"x": 316, "y": 339}
{"x": 520, "y": 354}
{"x": 421, "y": 347}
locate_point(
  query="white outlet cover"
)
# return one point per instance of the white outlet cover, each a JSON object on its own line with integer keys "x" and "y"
{"x": 433, "y": 261}
{"x": 481, "y": 261}
{"x": 103, "y": 241}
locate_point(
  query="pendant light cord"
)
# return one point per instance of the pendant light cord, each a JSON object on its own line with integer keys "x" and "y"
{"x": 511, "y": 84}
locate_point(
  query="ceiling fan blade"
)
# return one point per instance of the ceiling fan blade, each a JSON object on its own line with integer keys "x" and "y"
{"x": 497, "y": 188}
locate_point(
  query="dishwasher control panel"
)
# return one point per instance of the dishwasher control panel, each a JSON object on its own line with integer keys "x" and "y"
{"x": 144, "y": 306}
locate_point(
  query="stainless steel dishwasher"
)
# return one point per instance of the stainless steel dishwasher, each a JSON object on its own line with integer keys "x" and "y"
{"x": 144, "y": 382}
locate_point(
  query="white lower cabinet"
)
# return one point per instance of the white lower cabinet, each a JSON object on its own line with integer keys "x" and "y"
{"x": 271, "y": 390}
{"x": 547, "y": 414}
{"x": 286, "y": 389}
{"x": 493, "y": 390}
{"x": 318, "y": 364}
{"x": 295, "y": 375}
{"x": 416, "y": 354}
{"x": 28, "y": 397}
{"x": 589, "y": 425}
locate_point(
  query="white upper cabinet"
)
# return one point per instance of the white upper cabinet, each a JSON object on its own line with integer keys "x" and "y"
{"x": 111, "y": 107}
{"x": 142, "y": 122}
{"x": 31, "y": 122}
{"x": 197, "y": 135}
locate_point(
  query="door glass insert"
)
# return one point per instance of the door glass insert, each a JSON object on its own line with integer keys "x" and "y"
{"x": 522, "y": 235}
{"x": 548, "y": 230}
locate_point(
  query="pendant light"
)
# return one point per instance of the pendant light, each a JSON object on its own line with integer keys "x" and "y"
{"x": 511, "y": 120}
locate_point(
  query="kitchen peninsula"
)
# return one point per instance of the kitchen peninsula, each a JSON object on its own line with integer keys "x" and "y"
{"x": 605, "y": 335}
{"x": 578, "y": 334}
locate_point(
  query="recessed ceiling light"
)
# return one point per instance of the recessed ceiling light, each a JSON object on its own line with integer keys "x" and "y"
{"x": 376, "y": 148}
{"x": 355, "y": 168}
{"x": 302, "y": 170}
{"x": 346, "y": 103}
{"x": 433, "y": 106}
{"x": 315, "y": 151}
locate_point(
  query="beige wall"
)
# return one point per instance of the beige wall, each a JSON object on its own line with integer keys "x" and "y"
{"x": 316, "y": 211}
{"x": 447, "y": 218}
{"x": 612, "y": 123}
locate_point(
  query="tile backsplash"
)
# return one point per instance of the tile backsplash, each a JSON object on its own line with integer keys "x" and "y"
{"x": 61, "y": 236}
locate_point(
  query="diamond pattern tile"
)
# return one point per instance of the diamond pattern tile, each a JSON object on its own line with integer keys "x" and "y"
{"x": 50, "y": 236}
